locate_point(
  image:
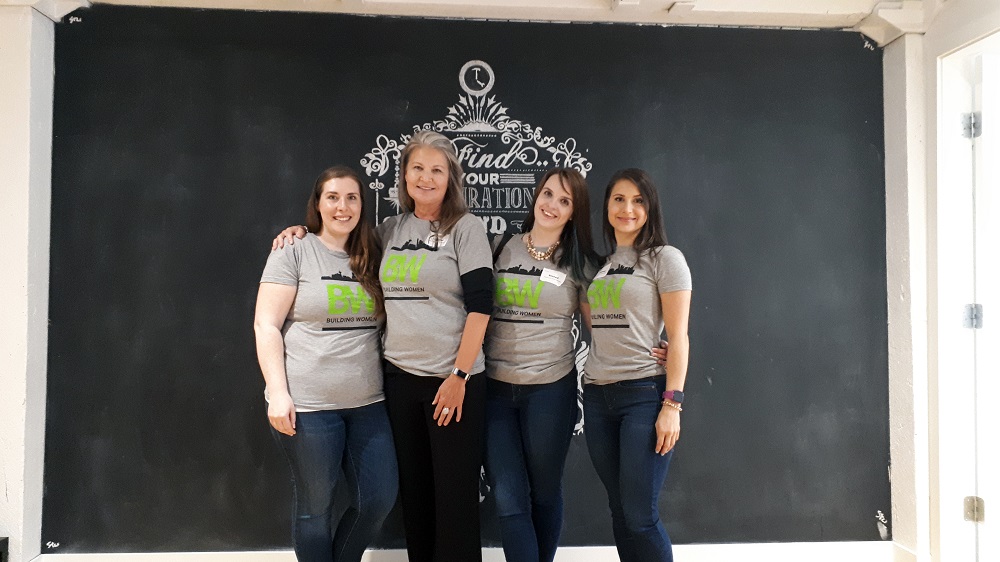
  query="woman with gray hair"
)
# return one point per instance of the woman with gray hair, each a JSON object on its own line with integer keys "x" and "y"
{"x": 437, "y": 278}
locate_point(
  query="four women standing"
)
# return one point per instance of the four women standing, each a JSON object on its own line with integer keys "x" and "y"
{"x": 438, "y": 284}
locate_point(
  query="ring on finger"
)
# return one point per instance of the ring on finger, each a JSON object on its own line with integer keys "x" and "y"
{"x": 445, "y": 411}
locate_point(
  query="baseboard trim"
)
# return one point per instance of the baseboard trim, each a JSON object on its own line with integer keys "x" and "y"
{"x": 864, "y": 551}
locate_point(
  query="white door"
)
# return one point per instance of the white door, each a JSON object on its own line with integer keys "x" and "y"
{"x": 986, "y": 192}
{"x": 953, "y": 395}
{"x": 967, "y": 395}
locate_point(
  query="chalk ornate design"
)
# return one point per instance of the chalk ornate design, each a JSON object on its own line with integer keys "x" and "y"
{"x": 582, "y": 352}
{"x": 565, "y": 155}
{"x": 376, "y": 163}
{"x": 474, "y": 113}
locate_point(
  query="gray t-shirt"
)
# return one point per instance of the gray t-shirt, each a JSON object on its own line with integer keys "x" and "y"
{"x": 626, "y": 313}
{"x": 331, "y": 333}
{"x": 530, "y": 338}
{"x": 421, "y": 280}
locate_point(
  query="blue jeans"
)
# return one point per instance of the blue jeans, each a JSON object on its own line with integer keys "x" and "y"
{"x": 359, "y": 441}
{"x": 528, "y": 430}
{"x": 621, "y": 437}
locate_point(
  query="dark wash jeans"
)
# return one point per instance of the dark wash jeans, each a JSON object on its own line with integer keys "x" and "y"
{"x": 528, "y": 430}
{"x": 358, "y": 440}
{"x": 621, "y": 435}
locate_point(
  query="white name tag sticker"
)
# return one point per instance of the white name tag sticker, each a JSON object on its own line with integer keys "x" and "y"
{"x": 554, "y": 277}
{"x": 603, "y": 271}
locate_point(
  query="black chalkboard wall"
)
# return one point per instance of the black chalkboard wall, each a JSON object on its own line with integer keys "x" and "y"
{"x": 184, "y": 140}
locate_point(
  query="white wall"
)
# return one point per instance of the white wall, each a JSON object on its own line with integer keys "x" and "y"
{"x": 26, "y": 82}
{"x": 906, "y": 268}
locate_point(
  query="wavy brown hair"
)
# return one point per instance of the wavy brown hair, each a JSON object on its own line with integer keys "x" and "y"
{"x": 576, "y": 245}
{"x": 363, "y": 249}
{"x": 453, "y": 207}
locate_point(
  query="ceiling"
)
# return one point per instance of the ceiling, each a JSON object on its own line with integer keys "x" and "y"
{"x": 882, "y": 21}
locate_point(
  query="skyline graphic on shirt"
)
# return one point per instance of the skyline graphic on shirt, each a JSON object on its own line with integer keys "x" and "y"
{"x": 519, "y": 269}
{"x": 621, "y": 270}
{"x": 414, "y": 246}
{"x": 339, "y": 276}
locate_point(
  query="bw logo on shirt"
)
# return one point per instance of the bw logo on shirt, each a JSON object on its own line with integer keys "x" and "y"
{"x": 511, "y": 293}
{"x": 603, "y": 292}
{"x": 345, "y": 298}
{"x": 400, "y": 267}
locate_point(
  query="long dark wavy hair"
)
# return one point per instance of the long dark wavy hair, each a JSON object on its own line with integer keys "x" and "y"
{"x": 454, "y": 206}
{"x": 576, "y": 244}
{"x": 363, "y": 248}
{"x": 651, "y": 235}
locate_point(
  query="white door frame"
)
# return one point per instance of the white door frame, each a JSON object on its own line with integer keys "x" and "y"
{"x": 954, "y": 394}
{"x": 950, "y": 275}
{"x": 987, "y": 273}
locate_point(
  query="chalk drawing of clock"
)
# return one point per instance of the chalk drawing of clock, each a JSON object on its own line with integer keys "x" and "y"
{"x": 476, "y": 78}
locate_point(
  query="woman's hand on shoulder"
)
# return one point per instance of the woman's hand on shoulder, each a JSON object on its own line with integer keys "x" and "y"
{"x": 668, "y": 429}
{"x": 450, "y": 396}
{"x": 288, "y": 236}
{"x": 281, "y": 412}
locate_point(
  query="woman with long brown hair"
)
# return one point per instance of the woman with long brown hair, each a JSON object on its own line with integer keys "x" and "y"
{"x": 437, "y": 279}
{"x": 542, "y": 276}
{"x": 632, "y": 401}
{"x": 318, "y": 318}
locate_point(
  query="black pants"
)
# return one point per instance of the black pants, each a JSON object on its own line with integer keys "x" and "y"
{"x": 438, "y": 467}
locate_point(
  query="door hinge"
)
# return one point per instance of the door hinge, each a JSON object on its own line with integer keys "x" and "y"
{"x": 972, "y": 124}
{"x": 973, "y": 316}
{"x": 975, "y": 509}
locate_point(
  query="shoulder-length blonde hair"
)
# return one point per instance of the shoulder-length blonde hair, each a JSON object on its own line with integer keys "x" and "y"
{"x": 453, "y": 207}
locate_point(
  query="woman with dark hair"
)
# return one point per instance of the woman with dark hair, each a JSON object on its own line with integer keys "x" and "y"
{"x": 438, "y": 284}
{"x": 631, "y": 403}
{"x": 318, "y": 317}
{"x": 531, "y": 407}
